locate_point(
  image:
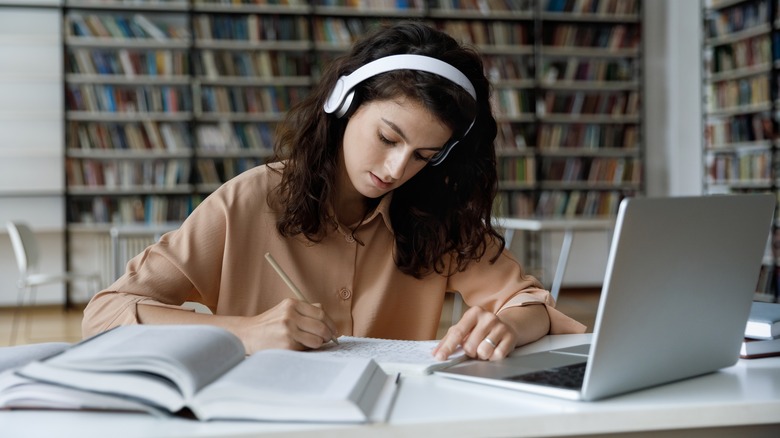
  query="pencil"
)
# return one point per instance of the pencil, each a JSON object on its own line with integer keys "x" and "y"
{"x": 289, "y": 283}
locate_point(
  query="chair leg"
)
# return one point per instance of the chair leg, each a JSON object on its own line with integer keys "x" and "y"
{"x": 17, "y": 315}
{"x": 27, "y": 324}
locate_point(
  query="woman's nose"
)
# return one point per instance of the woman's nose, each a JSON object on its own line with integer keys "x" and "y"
{"x": 396, "y": 162}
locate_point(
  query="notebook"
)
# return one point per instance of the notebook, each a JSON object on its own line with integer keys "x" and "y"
{"x": 679, "y": 283}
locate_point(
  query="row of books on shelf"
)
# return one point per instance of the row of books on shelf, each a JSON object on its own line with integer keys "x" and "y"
{"x": 508, "y": 67}
{"x": 618, "y": 7}
{"x": 588, "y": 136}
{"x": 132, "y": 209}
{"x": 168, "y": 137}
{"x": 593, "y": 170}
{"x": 128, "y": 99}
{"x": 121, "y": 26}
{"x": 251, "y": 2}
{"x": 514, "y": 136}
{"x": 251, "y": 27}
{"x": 134, "y": 136}
{"x": 211, "y": 171}
{"x": 762, "y": 332}
{"x": 517, "y": 169}
{"x": 583, "y": 69}
{"x": 741, "y": 54}
{"x": 513, "y": 204}
{"x": 484, "y": 6}
{"x": 558, "y": 204}
{"x": 490, "y": 33}
{"x": 737, "y": 18}
{"x": 225, "y": 137}
{"x": 512, "y": 102}
{"x": 602, "y": 36}
{"x": 129, "y": 63}
{"x": 738, "y": 92}
{"x": 615, "y": 103}
{"x": 380, "y": 4}
{"x": 743, "y": 165}
{"x": 577, "y": 203}
{"x": 259, "y": 64}
{"x": 740, "y": 128}
{"x": 267, "y": 64}
{"x": 115, "y": 174}
{"x": 341, "y": 31}
{"x": 250, "y": 99}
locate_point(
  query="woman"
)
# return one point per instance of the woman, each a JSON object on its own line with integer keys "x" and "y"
{"x": 376, "y": 205}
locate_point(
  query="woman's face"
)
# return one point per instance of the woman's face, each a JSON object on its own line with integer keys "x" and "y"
{"x": 386, "y": 143}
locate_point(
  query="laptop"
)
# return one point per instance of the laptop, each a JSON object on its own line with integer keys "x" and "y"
{"x": 680, "y": 279}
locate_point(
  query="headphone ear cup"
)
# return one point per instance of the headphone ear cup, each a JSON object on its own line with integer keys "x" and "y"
{"x": 348, "y": 106}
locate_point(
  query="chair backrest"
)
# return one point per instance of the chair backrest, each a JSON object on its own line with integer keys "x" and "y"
{"x": 25, "y": 246}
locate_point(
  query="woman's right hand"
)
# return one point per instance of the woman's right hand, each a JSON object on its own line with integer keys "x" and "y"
{"x": 290, "y": 325}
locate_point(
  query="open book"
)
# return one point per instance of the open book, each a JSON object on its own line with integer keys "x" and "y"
{"x": 394, "y": 356}
{"x": 164, "y": 368}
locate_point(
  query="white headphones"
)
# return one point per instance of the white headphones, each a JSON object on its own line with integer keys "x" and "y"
{"x": 341, "y": 97}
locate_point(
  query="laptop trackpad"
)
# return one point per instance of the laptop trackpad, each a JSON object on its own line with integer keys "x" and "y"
{"x": 513, "y": 366}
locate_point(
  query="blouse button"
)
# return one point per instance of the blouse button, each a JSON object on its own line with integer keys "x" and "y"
{"x": 345, "y": 293}
{"x": 349, "y": 238}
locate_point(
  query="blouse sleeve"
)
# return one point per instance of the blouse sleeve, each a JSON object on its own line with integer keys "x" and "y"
{"x": 503, "y": 284}
{"x": 184, "y": 265}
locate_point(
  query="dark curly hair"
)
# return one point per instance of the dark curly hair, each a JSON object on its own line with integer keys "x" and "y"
{"x": 442, "y": 216}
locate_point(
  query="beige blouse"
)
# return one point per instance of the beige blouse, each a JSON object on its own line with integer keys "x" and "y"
{"x": 217, "y": 258}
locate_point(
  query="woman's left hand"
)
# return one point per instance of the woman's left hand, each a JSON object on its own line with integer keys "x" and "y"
{"x": 482, "y": 335}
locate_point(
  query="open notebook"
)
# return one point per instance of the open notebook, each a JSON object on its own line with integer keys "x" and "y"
{"x": 680, "y": 279}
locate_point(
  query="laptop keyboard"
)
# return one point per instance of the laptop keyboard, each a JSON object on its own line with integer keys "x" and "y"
{"x": 569, "y": 376}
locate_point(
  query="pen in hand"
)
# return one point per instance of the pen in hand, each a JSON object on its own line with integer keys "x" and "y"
{"x": 289, "y": 283}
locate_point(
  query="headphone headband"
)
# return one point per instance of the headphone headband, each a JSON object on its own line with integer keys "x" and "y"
{"x": 340, "y": 99}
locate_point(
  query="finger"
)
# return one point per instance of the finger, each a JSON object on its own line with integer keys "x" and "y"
{"x": 494, "y": 346}
{"x": 334, "y": 331}
{"x": 316, "y": 323}
{"x": 456, "y": 336}
{"x": 450, "y": 342}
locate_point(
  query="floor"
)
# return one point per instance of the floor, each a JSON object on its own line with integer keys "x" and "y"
{"x": 48, "y": 324}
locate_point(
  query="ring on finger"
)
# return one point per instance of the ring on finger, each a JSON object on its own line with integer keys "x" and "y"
{"x": 489, "y": 341}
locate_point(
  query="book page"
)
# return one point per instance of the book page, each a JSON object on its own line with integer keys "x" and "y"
{"x": 283, "y": 385}
{"x": 394, "y": 356}
{"x": 191, "y": 356}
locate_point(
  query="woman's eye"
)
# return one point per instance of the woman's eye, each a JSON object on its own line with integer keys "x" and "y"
{"x": 420, "y": 157}
{"x": 385, "y": 140}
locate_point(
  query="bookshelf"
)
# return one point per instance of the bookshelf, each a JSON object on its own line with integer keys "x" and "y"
{"x": 740, "y": 56}
{"x": 128, "y": 111}
{"x": 156, "y": 121}
{"x": 567, "y": 94}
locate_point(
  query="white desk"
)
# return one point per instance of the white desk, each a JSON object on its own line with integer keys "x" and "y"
{"x": 744, "y": 397}
{"x": 567, "y": 226}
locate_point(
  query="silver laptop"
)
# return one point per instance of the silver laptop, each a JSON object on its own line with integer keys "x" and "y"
{"x": 680, "y": 279}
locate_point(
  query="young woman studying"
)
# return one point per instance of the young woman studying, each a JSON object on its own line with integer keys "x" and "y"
{"x": 377, "y": 204}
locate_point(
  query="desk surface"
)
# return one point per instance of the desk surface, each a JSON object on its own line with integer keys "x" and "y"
{"x": 745, "y": 394}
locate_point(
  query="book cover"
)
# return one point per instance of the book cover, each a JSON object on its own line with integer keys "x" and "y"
{"x": 764, "y": 321}
{"x": 758, "y": 348}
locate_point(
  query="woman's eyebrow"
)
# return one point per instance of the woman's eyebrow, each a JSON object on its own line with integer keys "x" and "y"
{"x": 398, "y": 130}
{"x": 395, "y": 128}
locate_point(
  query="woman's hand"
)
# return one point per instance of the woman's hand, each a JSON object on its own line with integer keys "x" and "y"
{"x": 484, "y": 335}
{"x": 290, "y": 325}
{"x": 481, "y": 334}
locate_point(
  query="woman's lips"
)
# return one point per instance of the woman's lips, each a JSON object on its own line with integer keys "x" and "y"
{"x": 379, "y": 183}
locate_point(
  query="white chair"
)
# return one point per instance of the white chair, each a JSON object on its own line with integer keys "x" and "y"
{"x": 27, "y": 254}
